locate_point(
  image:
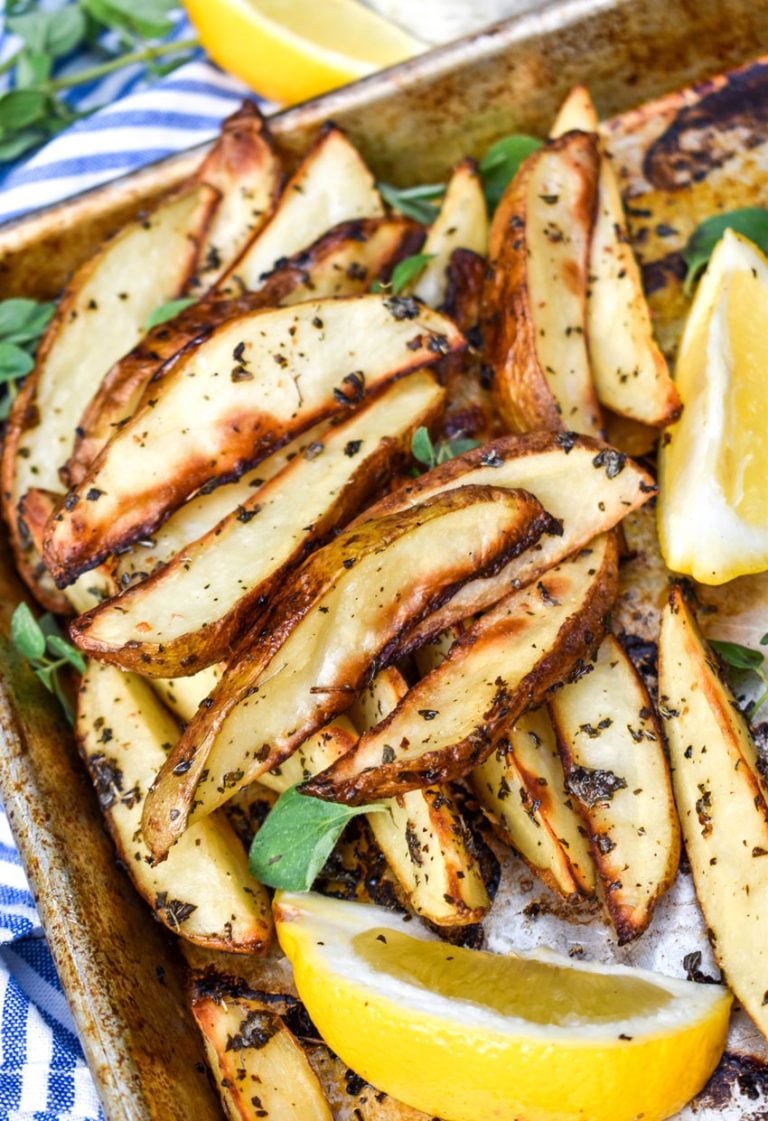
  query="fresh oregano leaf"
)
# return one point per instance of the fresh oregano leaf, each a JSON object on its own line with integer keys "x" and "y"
{"x": 422, "y": 448}
{"x": 751, "y": 221}
{"x": 431, "y": 455}
{"x": 457, "y": 445}
{"x": 168, "y": 311}
{"x": 297, "y": 838}
{"x": 500, "y": 163}
{"x": 407, "y": 270}
{"x": 413, "y": 202}
{"x": 21, "y": 108}
{"x": 23, "y": 321}
{"x": 63, "y": 649}
{"x": 14, "y": 362}
{"x": 26, "y": 634}
{"x": 737, "y": 656}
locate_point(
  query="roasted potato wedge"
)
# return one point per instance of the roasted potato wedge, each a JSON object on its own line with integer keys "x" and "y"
{"x": 100, "y": 316}
{"x": 204, "y": 892}
{"x": 245, "y": 169}
{"x": 189, "y": 613}
{"x": 331, "y": 185}
{"x": 341, "y": 263}
{"x": 423, "y": 836}
{"x": 630, "y": 372}
{"x": 321, "y": 637}
{"x": 613, "y": 753}
{"x": 537, "y": 295}
{"x": 261, "y": 1069}
{"x": 461, "y": 224}
{"x": 721, "y": 798}
{"x": 501, "y": 666}
{"x": 257, "y": 381}
{"x": 553, "y": 467}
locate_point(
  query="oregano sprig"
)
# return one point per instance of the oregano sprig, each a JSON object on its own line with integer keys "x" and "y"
{"x": 22, "y": 323}
{"x": 431, "y": 455}
{"x": 47, "y": 651}
{"x": 747, "y": 660}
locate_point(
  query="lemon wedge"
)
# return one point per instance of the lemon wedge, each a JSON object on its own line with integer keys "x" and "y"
{"x": 289, "y": 50}
{"x": 472, "y": 1036}
{"x": 713, "y": 469}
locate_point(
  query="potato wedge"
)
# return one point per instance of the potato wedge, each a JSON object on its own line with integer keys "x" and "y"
{"x": 521, "y": 788}
{"x": 256, "y": 382}
{"x": 341, "y": 263}
{"x": 245, "y": 169}
{"x": 612, "y": 749}
{"x": 537, "y": 295}
{"x": 205, "y": 891}
{"x": 553, "y": 467}
{"x": 189, "y": 613}
{"x": 423, "y": 836}
{"x": 630, "y": 372}
{"x": 260, "y": 1068}
{"x": 184, "y": 695}
{"x": 322, "y": 635}
{"x": 721, "y": 799}
{"x": 461, "y": 224}
{"x": 100, "y": 316}
{"x": 331, "y": 185}
{"x": 501, "y": 666}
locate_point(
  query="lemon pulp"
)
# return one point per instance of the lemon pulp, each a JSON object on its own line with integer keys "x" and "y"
{"x": 743, "y": 466}
{"x": 537, "y": 991}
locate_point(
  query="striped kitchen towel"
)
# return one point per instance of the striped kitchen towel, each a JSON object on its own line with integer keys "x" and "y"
{"x": 43, "y": 1075}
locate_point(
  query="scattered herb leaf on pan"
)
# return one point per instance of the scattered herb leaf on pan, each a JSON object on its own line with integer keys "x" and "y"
{"x": 297, "y": 838}
{"x": 500, "y": 163}
{"x": 168, "y": 310}
{"x": 746, "y": 660}
{"x": 403, "y": 273}
{"x": 414, "y": 202}
{"x": 22, "y": 323}
{"x": 751, "y": 221}
{"x": 46, "y": 650}
{"x": 431, "y": 455}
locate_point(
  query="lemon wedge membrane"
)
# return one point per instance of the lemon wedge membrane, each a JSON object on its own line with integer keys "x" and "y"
{"x": 471, "y": 1036}
{"x": 713, "y": 468}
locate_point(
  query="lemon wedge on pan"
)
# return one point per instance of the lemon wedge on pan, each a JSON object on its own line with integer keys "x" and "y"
{"x": 289, "y": 50}
{"x": 472, "y": 1036}
{"x": 713, "y": 466}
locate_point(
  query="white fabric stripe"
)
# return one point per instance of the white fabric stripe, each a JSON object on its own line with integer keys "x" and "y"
{"x": 12, "y": 875}
{"x": 41, "y": 991}
{"x": 128, "y": 139}
{"x": 34, "y": 1083}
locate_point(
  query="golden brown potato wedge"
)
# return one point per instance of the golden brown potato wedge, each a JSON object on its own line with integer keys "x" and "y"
{"x": 630, "y": 372}
{"x": 537, "y": 295}
{"x": 245, "y": 169}
{"x": 331, "y": 185}
{"x": 204, "y": 891}
{"x": 612, "y": 749}
{"x": 461, "y": 224}
{"x": 721, "y": 799}
{"x": 256, "y": 382}
{"x": 341, "y": 263}
{"x": 100, "y": 316}
{"x": 521, "y": 788}
{"x": 554, "y": 467}
{"x": 260, "y": 1068}
{"x": 423, "y": 836}
{"x": 322, "y": 635}
{"x": 189, "y": 613}
{"x": 184, "y": 695}
{"x": 501, "y": 666}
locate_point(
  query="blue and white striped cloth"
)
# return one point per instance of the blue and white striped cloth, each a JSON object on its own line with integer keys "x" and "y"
{"x": 43, "y": 1076}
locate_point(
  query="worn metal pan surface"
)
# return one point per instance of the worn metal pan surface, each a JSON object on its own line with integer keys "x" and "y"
{"x": 681, "y": 157}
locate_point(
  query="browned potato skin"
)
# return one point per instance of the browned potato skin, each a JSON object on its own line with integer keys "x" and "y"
{"x": 170, "y": 801}
{"x": 242, "y": 429}
{"x": 380, "y": 241}
{"x": 521, "y": 389}
{"x": 214, "y": 642}
{"x": 354, "y": 782}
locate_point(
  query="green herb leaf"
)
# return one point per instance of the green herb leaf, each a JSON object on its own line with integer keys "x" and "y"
{"x": 449, "y": 449}
{"x": 23, "y": 321}
{"x": 297, "y": 838}
{"x": 422, "y": 448}
{"x": 407, "y": 270}
{"x": 26, "y": 634}
{"x": 500, "y": 163}
{"x": 740, "y": 657}
{"x": 764, "y": 640}
{"x": 752, "y": 222}
{"x": 425, "y": 451}
{"x": 14, "y": 362}
{"x": 413, "y": 201}
{"x": 168, "y": 311}
{"x": 63, "y": 649}
{"x": 21, "y": 108}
